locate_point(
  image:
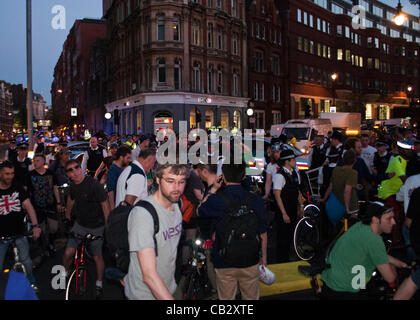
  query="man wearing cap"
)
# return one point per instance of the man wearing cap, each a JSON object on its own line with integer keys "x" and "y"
{"x": 93, "y": 157}
{"x": 381, "y": 161}
{"x": 11, "y": 152}
{"x": 389, "y": 188}
{"x": 271, "y": 169}
{"x": 286, "y": 184}
{"x": 333, "y": 154}
{"x": 413, "y": 165}
{"x": 357, "y": 253}
{"x": 22, "y": 164}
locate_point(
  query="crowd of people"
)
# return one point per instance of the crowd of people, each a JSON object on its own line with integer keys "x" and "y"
{"x": 200, "y": 200}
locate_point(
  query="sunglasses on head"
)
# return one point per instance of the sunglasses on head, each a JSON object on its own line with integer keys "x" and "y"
{"x": 73, "y": 168}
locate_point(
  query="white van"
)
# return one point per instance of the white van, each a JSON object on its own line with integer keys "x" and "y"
{"x": 349, "y": 122}
{"x": 305, "y": 130}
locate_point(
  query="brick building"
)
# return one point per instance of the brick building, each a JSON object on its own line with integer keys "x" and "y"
{"x": 170, "y": 61}
{"x": 71, "y": 74}
{"x": 375, "y": 61}
{"x": 6, "y": 107}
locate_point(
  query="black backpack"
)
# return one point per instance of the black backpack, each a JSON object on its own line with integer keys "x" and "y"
{"x": 116, "y": 232}
{"x": 239, "y": 239}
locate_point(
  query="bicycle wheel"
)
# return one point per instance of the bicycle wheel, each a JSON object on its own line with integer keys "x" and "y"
{"x": 80, "y": 286}
{"x": 194, "y": 290}
{"x": 306, "y": 238}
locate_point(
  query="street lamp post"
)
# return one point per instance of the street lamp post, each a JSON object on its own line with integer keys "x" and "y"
{"x": 29, "y": 71}
{"x": 400, "y": 17}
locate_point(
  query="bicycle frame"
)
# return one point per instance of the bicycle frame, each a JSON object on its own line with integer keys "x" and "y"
{"x": 79, "y": 262}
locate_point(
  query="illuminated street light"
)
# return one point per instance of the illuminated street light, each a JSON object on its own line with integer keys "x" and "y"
{"x": 60, "y": 91}
{"x": 250, "y": 112}
{"x": 409, "y": 88}
{"x": 400, "y": 17}
{"x": 334, "y": 76}
{"x": 108, "y": 115}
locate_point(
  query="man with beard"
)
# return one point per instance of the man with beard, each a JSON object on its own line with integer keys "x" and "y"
{"x": 152, "y": 276}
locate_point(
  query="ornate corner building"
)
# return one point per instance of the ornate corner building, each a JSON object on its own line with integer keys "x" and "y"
{"x": 177, "y": 60}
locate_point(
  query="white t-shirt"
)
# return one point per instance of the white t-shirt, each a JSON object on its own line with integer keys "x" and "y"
{"x": 272, "y": 169}
{"x": 407, "y": 189}
{"x": 368, "y": 154}
{"x": 136, "y": 185}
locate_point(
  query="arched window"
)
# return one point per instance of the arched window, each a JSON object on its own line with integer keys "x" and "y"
{"x": 209, "y": 118}
{"x": 224, "y": 119}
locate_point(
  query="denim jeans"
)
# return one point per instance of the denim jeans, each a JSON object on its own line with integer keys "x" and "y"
{"x": 22, "y": 245}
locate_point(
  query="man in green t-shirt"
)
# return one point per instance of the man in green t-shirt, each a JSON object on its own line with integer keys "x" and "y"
{"x": 357, "y": 253}
{"x": 389, "y": 188}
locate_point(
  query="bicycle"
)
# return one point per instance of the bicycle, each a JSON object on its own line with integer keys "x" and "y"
{"x": 80, "y": 284}
{"x": 197, "y": 283}
{"x": 17, "y": 266}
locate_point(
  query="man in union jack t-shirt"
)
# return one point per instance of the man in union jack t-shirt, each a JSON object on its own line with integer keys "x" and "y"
{"x": 14, "y": 202}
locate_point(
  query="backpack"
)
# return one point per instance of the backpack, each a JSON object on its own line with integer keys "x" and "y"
{"x": 135, "y": 169}
{"x": 239, "y": 239}
{"x": 187, "y": 208}
{"x": 116, "y": 232}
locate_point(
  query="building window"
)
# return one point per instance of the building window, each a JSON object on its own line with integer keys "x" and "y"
{"x": 210, "y": 79}
{"x": 299, "y": 15}
{"x": 235, "y": 84}
{"x": 196, "y": 77}
{"x": 336, "y": 9}
{"x": 233, "y": 5}
{"x": 300, "y": 43}
{"x": 196, "y": 33}
{"x": 299, "y": 72}
{"x": 210, "y": 36}
{"x": 256, "y": 91}
{"x": 262, "y": 92}
{"x": 275, "y": 65}
{"x": 161, "y": 28}
{"x": 176, "y": 27}
{"x": 220, "y": 79}
{"x": 219, "y": 4}
{"x": 161, "y": 70}
{"x": 220, "y": 39}
{"x": 235, "y": 44}
{"x": 258, "y": 61}
{"x": 339, "y": 54}
{"x": 177, "y": 74}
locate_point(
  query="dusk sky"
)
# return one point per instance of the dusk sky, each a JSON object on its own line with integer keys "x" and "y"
{"x": 48, "y": 42}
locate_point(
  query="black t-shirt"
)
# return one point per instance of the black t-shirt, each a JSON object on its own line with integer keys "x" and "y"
{"x": 413, "y": 212}
{"x": 11, "y": 211}
{"x": 88, "y": 196}
{"x": 21, "y": 170}
{"x": 41, "y": 189}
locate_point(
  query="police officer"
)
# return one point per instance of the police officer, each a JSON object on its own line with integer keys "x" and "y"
{"x": 381, "y": 161}
{"x": 413, "y": 165}
{"x": 11, "y": 152}
{"x": 333, "y": 154}
{"x": 317, "y": 155}
{"x": 286, "y": 185}
{"x": 93, "y": 157}
{"x": 22, "y": 164}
